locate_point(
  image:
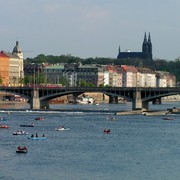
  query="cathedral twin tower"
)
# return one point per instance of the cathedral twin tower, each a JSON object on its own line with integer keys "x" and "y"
{"x": 146, "y": 53}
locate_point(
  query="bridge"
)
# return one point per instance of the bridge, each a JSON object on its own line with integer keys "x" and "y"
{"x": 140, "y": 97}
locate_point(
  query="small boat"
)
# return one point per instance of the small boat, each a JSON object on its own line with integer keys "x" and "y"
{"x": 3, "y": 119}
{"x": 4, "y": 126}
{"x": 107, "y": 131}
{"x": 168, "y": 118}
{"x": 40, "y": 118}
{"x": 111, "y": 118}
{"x": 62, "y": 128}
{"x": 21, "y": 150}
{"x": 37, "y": 137}
{"x": 27, "y": 125}
{"x": 20, "y": 133}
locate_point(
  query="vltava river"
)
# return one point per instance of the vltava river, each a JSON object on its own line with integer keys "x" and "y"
{"x": 138, "y": 148}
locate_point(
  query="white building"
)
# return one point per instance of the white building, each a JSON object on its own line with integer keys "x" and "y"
{"x": 165, "y": 79}
{"x": 146, "y": 77}
{"x": 106, "y": 77}
{"x": 129, "y": 77}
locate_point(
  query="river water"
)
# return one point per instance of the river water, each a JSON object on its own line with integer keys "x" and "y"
{"x": 138, "y": 148}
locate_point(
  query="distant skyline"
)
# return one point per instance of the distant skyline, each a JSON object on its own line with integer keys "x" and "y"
{"x": 90, "y": 28}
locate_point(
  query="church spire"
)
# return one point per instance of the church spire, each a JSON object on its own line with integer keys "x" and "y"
{"x": 149, "y": 38}
{"x": 119, "y": 49}
{"x": 145, "y": 38}
{"x": 145, "y": 44}
{"x": 149, "y": 45}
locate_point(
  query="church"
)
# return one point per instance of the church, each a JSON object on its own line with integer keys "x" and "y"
{"x": 145, "y": 55}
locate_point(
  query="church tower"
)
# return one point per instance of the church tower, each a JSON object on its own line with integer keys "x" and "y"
{"x": 149, "y": 46}
{"x": 17, "y": 51}
{"x": 19, "y": 61}
{"x": 145, "y": 45}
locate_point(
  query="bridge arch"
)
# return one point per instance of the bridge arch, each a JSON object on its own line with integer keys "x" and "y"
{"x": 60, "y": 94}
{"x": 16, "y": 93}
{"x": 151, "y": 98}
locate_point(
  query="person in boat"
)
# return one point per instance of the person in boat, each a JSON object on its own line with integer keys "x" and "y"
{"x": 32, "y": 135}
{"x": 25, "y": 148}
{"x": 19, "y": 148}
{"x": 36, "y": 134}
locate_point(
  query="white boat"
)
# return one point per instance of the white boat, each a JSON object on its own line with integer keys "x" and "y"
{"x": 84, "y": 100}
{"x": 62, "y": 128}
{"x": 20, "y": 133}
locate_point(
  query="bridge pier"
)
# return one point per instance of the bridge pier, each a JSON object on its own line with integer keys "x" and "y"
{"x": 116, "y": 99}
{"x": 137, "y": 102}
{"x": 145, "y": 106}
{"x": 35, "y": 104}
{"x": 113, "y": 99}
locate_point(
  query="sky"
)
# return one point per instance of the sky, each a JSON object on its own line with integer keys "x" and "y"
{"x": 90, "y": 28}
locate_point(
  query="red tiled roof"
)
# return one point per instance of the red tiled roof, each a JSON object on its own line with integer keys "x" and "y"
{"x": 3, "y": 55}
{"x": 129, "y": 68}
{"x": 111, "y": 68}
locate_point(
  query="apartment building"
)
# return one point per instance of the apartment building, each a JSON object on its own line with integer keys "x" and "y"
{"x": 54, "y": 73}
{"x": 165, "y": 79}
{"x": 129, "y": 76}
{"x": 146, "y": 77}
{"x": 91, "y": 74}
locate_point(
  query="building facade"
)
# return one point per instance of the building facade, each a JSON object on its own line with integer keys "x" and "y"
{"x": 165, "y": 79}
{"x": 12, "y": 66}
{"x": 4, "y": 69}
{"x": 146, "y": 77}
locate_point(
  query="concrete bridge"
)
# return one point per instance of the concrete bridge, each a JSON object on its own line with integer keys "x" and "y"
{"x": 139, "y": 96}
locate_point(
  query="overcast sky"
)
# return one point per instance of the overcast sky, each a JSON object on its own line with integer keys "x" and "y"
{"x": 90, "y": 28}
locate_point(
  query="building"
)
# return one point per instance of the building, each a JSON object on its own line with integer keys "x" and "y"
{"x": 115, "y": 76}
{"x": 4, "y": 69}
{"x": 129, "y": 78}
{"x": 145, "y": 55}
{"x": 165, "y": 79}
{"x": 70, "y": 74}
{"x": 12, "y": 66}
{"x": 106, "y": 77}
{"x": 91, "y": 75}
{"x": 54, "y": 73}
{"x": 146, "y": 77}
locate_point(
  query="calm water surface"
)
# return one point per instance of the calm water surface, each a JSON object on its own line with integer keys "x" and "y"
{"x": 139, "y": 147}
